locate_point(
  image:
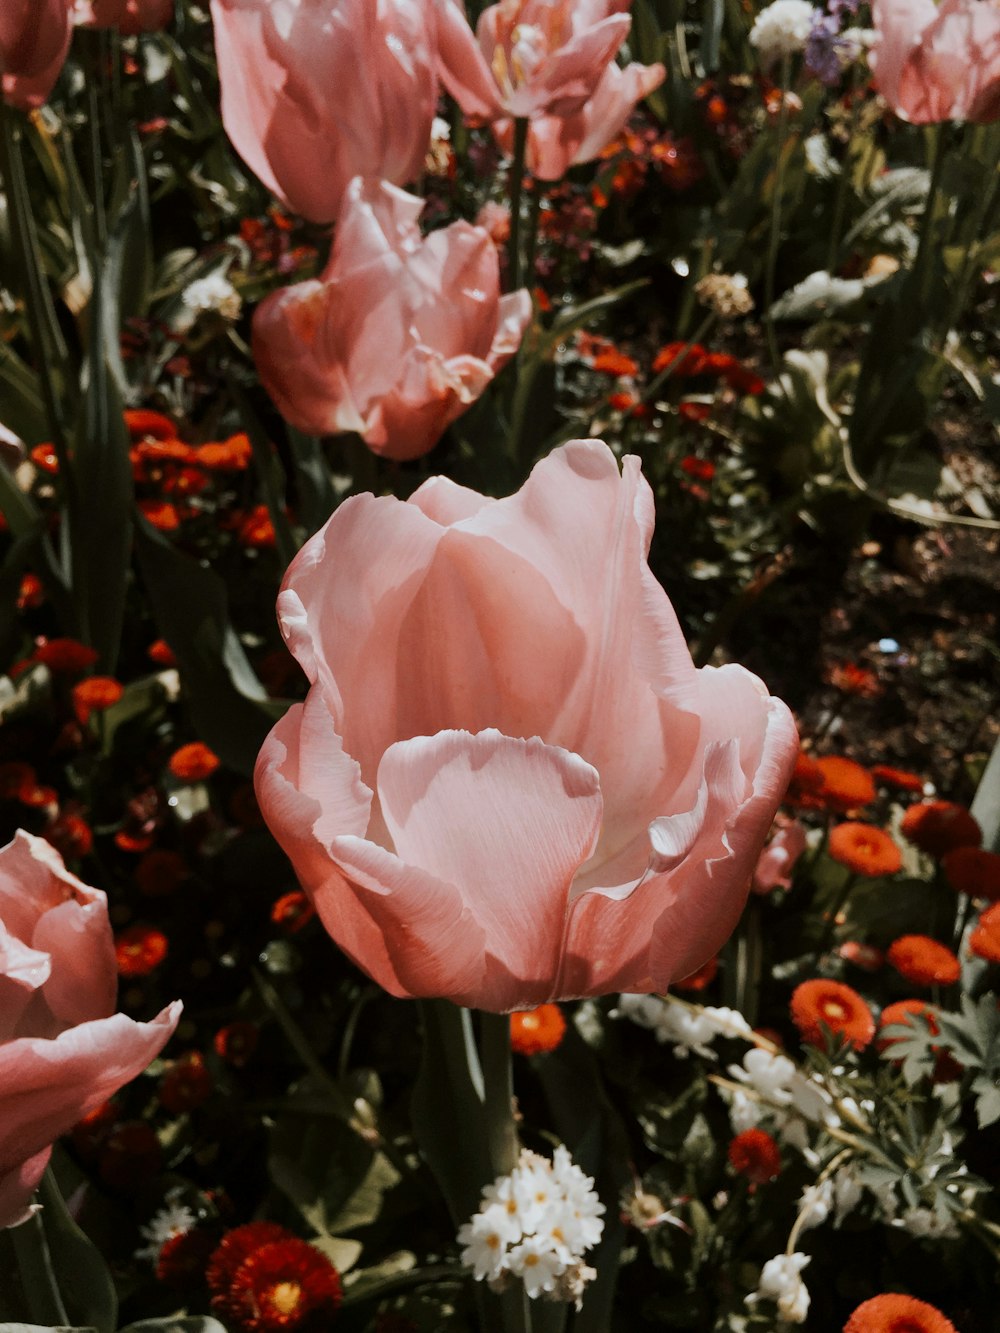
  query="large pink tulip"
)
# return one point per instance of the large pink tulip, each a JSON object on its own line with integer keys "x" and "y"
{"x": 398, "y": 336}
{"x": 508, "y": 783}
{"x": 528, "y": 58}
{"x": 556, "y": 143}
{"x": 63, "y": 1050}
{"x": 315, "y": 92}
{"x": 34, "y": 39}
{"x": 938, "y": 62}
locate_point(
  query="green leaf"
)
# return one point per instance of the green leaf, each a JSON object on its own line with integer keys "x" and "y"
{"x": 229, "y": 707}
{"x": 99, "y": 488}
{"x": 21, "y": 393}
{"x": 575, "y": 317}
{"x": 316, "y": 493}
{"x": 84, "y": 1279}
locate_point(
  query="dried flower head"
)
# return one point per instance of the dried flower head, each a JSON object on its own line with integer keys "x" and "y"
{"x": 727, "y": 294}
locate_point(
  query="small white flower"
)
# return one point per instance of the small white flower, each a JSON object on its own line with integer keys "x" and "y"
{"x": 768, "y": 1074}
{"x": 815, "y": 1204}
{"x": 173, "y": 1219}
{"x": 926, "y": 1223}
{"x": 781, "y": 29}
{"x": 440, "y": 129}
{"x": 537, "y": 1264}
{"x": 214, "y": 292}
{"x": 847, "y": 1191}
{"x": 780, "y": 1282}
{"x": 485, "y": 1241}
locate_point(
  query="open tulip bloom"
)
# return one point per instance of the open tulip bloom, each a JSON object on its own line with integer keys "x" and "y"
{"x": 508, "y": 783}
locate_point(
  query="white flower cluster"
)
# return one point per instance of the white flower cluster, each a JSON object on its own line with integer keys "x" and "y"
{"x": 782, "y": 29}
{"x": 686, "y": 1027}
{"x": 535, "y": 1225}
{"x": 791, "y": 1102}
{"x": 214, "y": 292}
{"x": 780, "y": 1281}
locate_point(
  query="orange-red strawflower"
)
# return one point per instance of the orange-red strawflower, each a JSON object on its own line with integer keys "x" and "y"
{"x": 895, "y": 1313}
{"x": 755, "y": 1154}
{"x": 160, "y": 652}
{"x": 231, "y": 455}
{"x": 292, "y": 911}
{"x": 534, "y": 1031}
{"x": 897, "y": 777}
{"x": 973, "y": 871}
{"x": 256, "y": 528}
{"x": 846, "y": 785}
{"x": 235, "y": 1247}
{"x": 65, "y": 656}
{"x": 283, "y": 1285}
{"x": 702, "y": 977}
{"x": 864, "y": 849}
{"x": 984, "y": 939}
{"x": 901, "y": 1012}
{"x": 821, "y": 1003}
{"x": 806, "y": 782}
{"x": 161, "y": 513}
{"x": 194, "y": 762}
{"x": 937, "y": 827}
{"x": 613, "y": 362}
{"x": 143, "y": 424}
{"x": 181, "y": 1261}
{"x": 139, "y": 949}
{"x": 95, "y": 694}
{"x": 924, "y": 961}
{"x": 689, "y": 362}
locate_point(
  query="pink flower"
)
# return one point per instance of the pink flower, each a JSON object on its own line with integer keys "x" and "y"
{"x": 528, "y": 58}
{"x": 508, "y": 783}
{"x": 62, "y": 1049}
{"x": 556, "y": 143}
{"x": 398, "y": 336}
{"x": 34, "y": 39}
{"x": 938, "y": 62}
{"x": 777, "y": 860}
{"x": 315, "y": 92}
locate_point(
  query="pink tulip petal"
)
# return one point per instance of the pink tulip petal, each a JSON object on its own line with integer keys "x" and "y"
{"x": 83, "y": 984}
{"x": 515, "y": 315}
{"x": 18, "y": 1185}
{"x": 437, "y": 946}
{"x": 506, "y": 821}
{"x": 46, "y": 1086}
{"x": 461, "y": 66}
{"x": 444, "y": 501}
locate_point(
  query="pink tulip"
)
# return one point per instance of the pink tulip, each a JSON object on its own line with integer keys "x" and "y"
{"x": 315, "y": 92}
{"x": 556, "y": 143}
{"x": 34, "y": 39}
{"x": 938, "y": 62}
{"x": 508, "y": 783}
{"x": 528, "y": 58}
{"x": 398, "y": 336}
{"x": 777, "y": 861}
{"x": 62, "y": 1049}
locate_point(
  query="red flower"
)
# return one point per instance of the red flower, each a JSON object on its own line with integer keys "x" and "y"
{"x": 45, "y": 458}
{"x": 139, "y": 949}
{"x": 937, "y": 827}
{"x": 292, "y": 911}
{"x": 193, "y": 763}
{"x": 144, "y": 424}
{"x": 281, "y": 1284}
{"x": 900, "y": 1012}
{"x": 613, "y": 362}
{"x": 31, "y": 593}
{"x": 755, "y": 1154}
{"x": 690, "y": 362}
{"x": 65, "y": 656}
{"x": 895, "y": 1313}
{"x": 160, "y": 872}
{"x": 701, "y": 977}
{"x": 535, "y": 1031}
{"x": 256, "y": 528}
{"x": 161, "y": 653}
{"x": 864, "y": 849}
{"x": 846, "y": 785}
{"x": 232, "y": 455}
{"x": 924, "y": 961}
{"x": 161, "y": 513}
{"x": 181, "y": 1261}
{"x": 95, "y": 694}
{"x": 821, "y": 1003}
{"x": 700, "y": 468}
{"x": 186, "y": 1085}
{"x": 236, "y": 1042}
{"x": 973, "y": 871}
{"x": 984, "y": 941}
{"x": 70, "y": 834}
{"x": 235, "y": 1247}
{"x": 897, "y": 777}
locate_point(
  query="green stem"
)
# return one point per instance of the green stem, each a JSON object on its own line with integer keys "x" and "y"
{"x": 749, "y": 961}
{"x": 840, "y": 199}
{"x": 531, "y": 241}
{"x": 831, "y": 925}
{"x": 38, "y": 1276}
{"x": 925, "y": 246}
{"x": 774, "y": 240}
{"x": 515, "y": 186}
{"x": 498, "y": 1081}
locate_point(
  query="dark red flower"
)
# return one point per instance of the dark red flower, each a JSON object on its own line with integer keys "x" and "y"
{"x": 755, "y": 1154}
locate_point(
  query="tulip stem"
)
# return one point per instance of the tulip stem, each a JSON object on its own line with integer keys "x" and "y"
{"x": 498, "y": 1080}
{"x": 925, "y": 246}
{"x": 38, "y": 1275}
{"x": 515, "y": 186}
{"x": 774, "y": 242}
